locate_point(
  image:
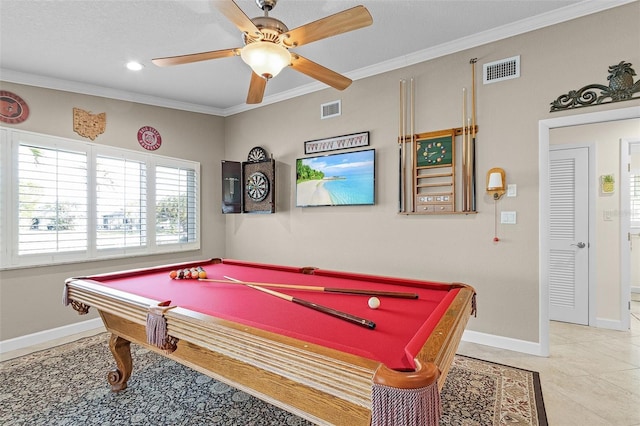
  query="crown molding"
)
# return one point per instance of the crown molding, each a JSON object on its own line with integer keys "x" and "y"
{"x": 28, "y": 79}
{"x": 548, "y": 19}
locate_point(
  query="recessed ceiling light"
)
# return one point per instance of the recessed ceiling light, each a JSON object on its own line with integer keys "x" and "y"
{"x": 134, "y": 66}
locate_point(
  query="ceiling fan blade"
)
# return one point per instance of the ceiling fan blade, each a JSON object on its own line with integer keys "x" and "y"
{"x": 313, "y": 70}
{"x": 233, "y": 13}
{"x": 256, "y": 89}
{"x": 339, "y": 23}
{"x": 195, "y": 57}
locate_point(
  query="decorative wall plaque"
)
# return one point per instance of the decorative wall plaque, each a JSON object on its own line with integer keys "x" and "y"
{"x": 89, "y": 125}
{"x": 354, "y": 140}
{"x": 149, "y": 138}
{"x": 13, "y": 109}
{"x": 621, "y": 88}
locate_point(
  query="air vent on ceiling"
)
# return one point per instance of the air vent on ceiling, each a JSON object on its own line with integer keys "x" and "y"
{"x": 504, "y": 69}
{"x": 330, "y": 109}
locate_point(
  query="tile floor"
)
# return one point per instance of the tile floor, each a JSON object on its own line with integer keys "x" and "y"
{"x": 592, "y": 377}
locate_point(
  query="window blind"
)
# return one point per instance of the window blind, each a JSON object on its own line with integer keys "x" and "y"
{"x": 52, "y": 200}
{"x": 121, "y": 195}
{"x": 65, "y": 201}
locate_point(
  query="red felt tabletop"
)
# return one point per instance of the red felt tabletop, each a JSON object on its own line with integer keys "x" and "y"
{"x": 402, "y": 325}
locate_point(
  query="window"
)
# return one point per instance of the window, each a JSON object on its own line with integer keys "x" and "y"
{"x": 52, "y": 200}
{"x": 120, "y": 203}
{"x": 175, "y": 205}
{"x": 69, "y": 201}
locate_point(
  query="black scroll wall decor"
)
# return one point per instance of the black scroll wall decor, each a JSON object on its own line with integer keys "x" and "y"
{"x": 621, "y": 88}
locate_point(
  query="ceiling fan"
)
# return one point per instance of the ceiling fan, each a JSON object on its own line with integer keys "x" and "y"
{"x": 268, "y": 40}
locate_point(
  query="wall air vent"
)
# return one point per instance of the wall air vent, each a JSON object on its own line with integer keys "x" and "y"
{"x": 331, "y": 109}
{"x": 504, "y": 69}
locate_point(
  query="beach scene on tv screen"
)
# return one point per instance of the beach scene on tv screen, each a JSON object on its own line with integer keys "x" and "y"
{"x": 338, "y": 179}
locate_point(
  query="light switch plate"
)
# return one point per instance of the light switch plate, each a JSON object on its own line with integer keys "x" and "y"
{"x": 508, "y": 218}
{"x": 512, "y": 190}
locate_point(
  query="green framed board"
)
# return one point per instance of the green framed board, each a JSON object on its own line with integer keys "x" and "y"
{"x": 435, "y": 152}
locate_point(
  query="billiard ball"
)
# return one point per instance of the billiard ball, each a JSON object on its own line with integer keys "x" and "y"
{"x": 374, "y": 302}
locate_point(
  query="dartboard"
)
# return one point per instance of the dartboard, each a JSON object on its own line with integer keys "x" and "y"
{"x": 257, "y": 186}
{"x": 256, "y": 155}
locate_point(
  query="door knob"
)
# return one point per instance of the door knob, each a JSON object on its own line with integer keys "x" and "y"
{"x": 580, "y": 245}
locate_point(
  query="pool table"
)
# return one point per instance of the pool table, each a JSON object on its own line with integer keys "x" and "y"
{"x": 311, "y": 362}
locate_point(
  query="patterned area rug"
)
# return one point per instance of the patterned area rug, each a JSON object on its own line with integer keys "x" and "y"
{"x": 67, "y": 385}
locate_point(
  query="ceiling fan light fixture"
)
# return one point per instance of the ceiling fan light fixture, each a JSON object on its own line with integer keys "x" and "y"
{"x": 265, "y": 58}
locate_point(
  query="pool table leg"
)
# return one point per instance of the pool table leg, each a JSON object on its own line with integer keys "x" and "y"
{"x": 121, "y": 350}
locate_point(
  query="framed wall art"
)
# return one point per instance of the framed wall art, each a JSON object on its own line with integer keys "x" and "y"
{"x": 342, "y": 179}
{"x": 354, "y": 140}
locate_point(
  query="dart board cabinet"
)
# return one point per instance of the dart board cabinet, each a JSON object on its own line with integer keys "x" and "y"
{"x": 249, "y": 186}
{"x": 259, "y": 186}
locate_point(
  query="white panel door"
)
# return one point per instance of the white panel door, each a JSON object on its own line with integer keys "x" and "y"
{"x": 569, "y": 235}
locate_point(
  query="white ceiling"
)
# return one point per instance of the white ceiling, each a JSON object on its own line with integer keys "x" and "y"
{"x": 83, "y": 45}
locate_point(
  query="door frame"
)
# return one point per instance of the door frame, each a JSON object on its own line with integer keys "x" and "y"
{"x": 625, "y": 225}
{"x": 592, "y": 192}
{"x": 544, "y": 128}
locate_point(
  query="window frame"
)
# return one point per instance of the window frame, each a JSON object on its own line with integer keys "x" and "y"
{"x": 10, "y": 140}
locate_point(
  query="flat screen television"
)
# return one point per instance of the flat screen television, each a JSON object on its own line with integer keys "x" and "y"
{"x": 343, "y": 179}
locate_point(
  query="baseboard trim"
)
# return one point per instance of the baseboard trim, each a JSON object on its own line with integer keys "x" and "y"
{"x": 609, "y": 324}
{"x": 48, "y": 336}
{"x": 500, "y": 342}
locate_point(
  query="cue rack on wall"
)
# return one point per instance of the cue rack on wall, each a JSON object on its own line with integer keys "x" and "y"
{"x": 428, "y": 163}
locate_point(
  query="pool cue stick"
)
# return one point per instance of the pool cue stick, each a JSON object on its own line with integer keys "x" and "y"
{"x": 412, "y": 146}
{"x": 469, "y": 155}
{"x": 473, "y": 134}
{"x": 324, "y": 309}
{"x": 465, "y": 204}
{"x": 403, "y": 120}
{"x": 400, "y": 154}
{"x": 397, "y": 295}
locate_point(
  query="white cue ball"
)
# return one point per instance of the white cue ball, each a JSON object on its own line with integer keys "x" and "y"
{"x": 374, "y": 302}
